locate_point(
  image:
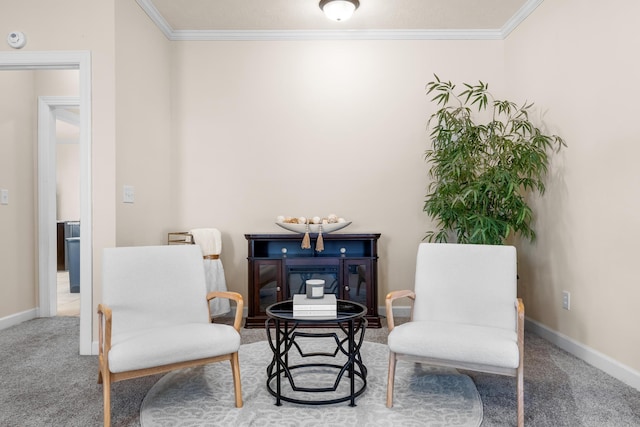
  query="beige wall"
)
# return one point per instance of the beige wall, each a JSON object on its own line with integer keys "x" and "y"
{"x": 312, "y": 128}
{"x": 68, "y": 182}
{"x": 64, "y": 83}
{"x": 578, "y": 61}
{"x": 57, "y": 83}
{"x": 18, "y": 113}
{"x": 144, "y": 145}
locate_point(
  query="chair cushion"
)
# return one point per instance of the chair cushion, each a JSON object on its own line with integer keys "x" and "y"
{"x": 165, "y": 345}
{"x": 154, "y": 286}
{"x": 466, "y": 284}
{"x": 456, "y": 342}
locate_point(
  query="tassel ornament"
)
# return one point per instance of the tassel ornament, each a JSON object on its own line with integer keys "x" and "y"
{"x": 306, "y": 241}
{"x": 320, "y": 241}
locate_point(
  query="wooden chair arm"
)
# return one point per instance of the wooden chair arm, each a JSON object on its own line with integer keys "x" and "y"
{"x": 237, "y": 323}
{"x": 104, "y": 329}
{"x": 520, "y": 327}
{"x": 392, "y": 296}
{"x": 520, "y": 308}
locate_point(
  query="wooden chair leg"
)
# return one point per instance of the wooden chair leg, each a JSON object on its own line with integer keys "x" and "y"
{"x": 520, "y": 393}
{"x": 390, "y": 378}
{"x": 235, "y": 369}
{"x": 106, "y": 397}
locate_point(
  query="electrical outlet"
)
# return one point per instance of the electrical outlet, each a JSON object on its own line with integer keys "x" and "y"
{"x": 566, "y": 300}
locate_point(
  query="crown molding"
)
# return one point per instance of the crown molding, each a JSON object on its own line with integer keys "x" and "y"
{"x": 519, "y": 17}
{"x": 66, "y": 115}
{"x": 293, "y": 35}
{"x": 153, "y": 13}
{"x": 284, "y": 35}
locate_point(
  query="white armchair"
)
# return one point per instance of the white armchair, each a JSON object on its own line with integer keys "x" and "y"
{"x": 465, "y": 314}
{"x": 155, "y": 317}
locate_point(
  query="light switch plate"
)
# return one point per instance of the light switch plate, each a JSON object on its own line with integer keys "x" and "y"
{"x": 4, "y": 197}
{"x": 128, "y": 194}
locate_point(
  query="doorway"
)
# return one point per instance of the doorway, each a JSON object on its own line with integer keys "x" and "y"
{"x": 47, "y": 281}
{"x": 67, "y": 171}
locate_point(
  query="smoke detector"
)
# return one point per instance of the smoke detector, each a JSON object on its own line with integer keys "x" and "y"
{"x": 16, "y": 39}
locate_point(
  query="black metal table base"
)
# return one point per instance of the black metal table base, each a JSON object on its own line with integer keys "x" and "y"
{"x": 353, "y": 369}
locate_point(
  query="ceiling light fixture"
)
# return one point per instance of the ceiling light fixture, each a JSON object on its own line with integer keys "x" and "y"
{"x": 339, "y": 10}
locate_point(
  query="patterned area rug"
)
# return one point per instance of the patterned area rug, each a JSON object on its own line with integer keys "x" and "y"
{"x": 203, "y": 396}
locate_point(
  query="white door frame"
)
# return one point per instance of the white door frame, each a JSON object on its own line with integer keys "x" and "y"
{"x": 64, "y": 60}
{"x": 48, "y": 111}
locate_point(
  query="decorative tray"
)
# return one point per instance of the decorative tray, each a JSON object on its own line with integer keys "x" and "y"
{"x": 313, "y": 228}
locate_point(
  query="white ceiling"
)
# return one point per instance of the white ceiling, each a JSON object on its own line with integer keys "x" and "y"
{"x": 303, "y": 19}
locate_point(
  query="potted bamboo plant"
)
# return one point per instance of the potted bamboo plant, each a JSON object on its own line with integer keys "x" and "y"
{"x": 481, "y": 172}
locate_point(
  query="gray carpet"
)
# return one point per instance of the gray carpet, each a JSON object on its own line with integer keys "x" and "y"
{"x": 44, "y": 382}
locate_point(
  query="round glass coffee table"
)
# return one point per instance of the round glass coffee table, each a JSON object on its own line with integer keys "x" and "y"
{"x": 340, "y": 356}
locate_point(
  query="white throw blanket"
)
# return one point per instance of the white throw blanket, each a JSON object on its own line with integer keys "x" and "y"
{"x": 210, "y": 242}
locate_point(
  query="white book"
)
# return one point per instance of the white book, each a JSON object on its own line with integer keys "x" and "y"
{"x": 327, "y": 302}
{"x": 325, "y": 314}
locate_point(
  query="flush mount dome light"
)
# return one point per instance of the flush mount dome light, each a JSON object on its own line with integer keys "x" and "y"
{"x": 339, "y": 10}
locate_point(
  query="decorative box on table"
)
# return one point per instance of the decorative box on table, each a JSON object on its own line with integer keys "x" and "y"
{"x": 325, "y": 306}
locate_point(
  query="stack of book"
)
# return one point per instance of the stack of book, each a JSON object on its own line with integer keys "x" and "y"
{"x": 326, "y": 306}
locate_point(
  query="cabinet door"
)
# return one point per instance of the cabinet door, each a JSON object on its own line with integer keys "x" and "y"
{"x": 357, "y": 283}
{"x": 267, "y": 282}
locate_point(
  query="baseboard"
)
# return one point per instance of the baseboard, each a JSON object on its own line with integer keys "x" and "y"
{"x": 14, "y": 319}
{"x": 398, "y": 311}
{"x": 593, "y": 357}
